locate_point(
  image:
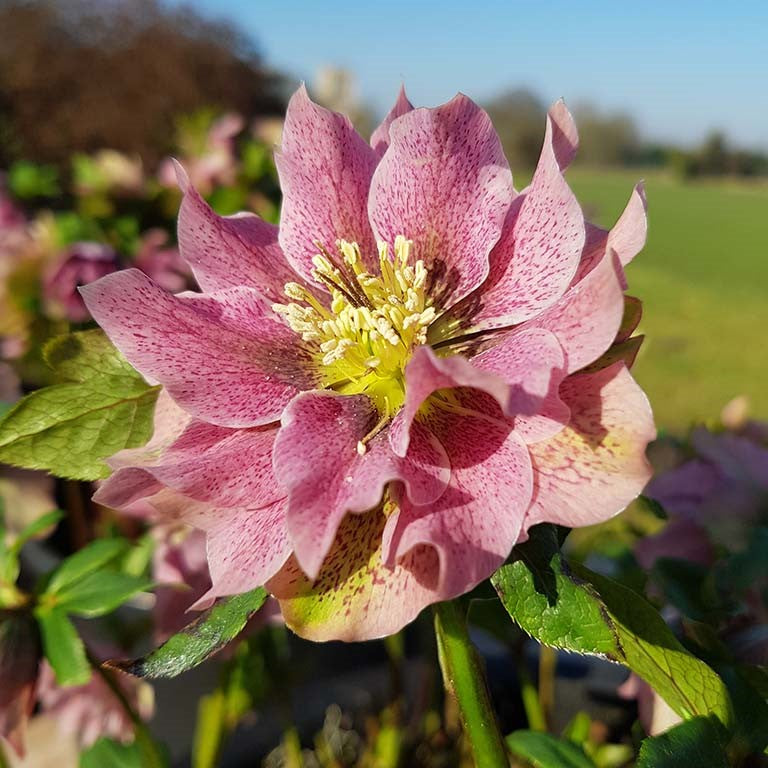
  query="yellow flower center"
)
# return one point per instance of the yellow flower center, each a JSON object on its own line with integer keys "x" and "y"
{"x": 365, "y": 338}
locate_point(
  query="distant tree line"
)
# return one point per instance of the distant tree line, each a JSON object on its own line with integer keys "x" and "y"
{"x": 614, "y": 140}
{"x": 81, "y": 75}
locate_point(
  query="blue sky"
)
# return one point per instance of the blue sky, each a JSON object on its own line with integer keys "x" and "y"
{"x": 681, "y": 68}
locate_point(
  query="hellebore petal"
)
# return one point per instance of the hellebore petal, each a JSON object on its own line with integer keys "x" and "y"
{"x": 626, "y": 239}
{"x": 356, "y": 596}
{"x": 476, "y": 522}
{"x": 588, "y": 317}
{"x": 594, "y": 467}
{"x": 222, "y": 357}
{"x": 230, "y": 251}
{"x": 427, "y": 373}
{"x": 246, "y": 547}
{"x": 317, "y": 460}
{"x": 380, "y": 137}
{"x": 445, "y": 184}
{"x": 532, "y": 360}
{"x": 536, "y": 258}
{"x": 325, "y": 171}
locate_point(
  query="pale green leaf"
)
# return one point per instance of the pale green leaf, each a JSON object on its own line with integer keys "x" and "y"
{"x": 570, "y": 607}
{"x": 90, "y": 558}
{"x": 543, "y": 750}
{"x": 101, "y": 407}
{"x": 63, "y": 647}
{"x": 100, "y": 593}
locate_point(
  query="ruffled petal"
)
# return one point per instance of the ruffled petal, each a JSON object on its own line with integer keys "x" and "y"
{"x": 476, "y": 522}
{"x": 587, "y": 319}
{"x": 316, "y": 459}
{"x": 356, "y": 596}
{"x": 380, "y": 137}
{"x": 426, "y": 373}
{"x": 445, "y": 184}
{"x": 531, "y": 360}
{"x": 223, "y": 358}
{"x": 593, "y": 468}
{"x": 229, "y": 251}
{"x": 325, "y": 171}
{"x": 539, "y": 251}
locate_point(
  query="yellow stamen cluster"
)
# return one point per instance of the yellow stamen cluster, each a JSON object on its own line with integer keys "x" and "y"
{"x": 365, "y": 337}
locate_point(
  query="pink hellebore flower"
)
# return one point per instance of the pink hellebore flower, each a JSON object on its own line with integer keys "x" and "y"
{"x": 80, "y": 264}
{"x": 374, "y": 401}
{"x": 91, "y": 711}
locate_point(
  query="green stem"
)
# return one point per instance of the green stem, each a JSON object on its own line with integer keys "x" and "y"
{"x": 531, "y": 704}
{"x": 547, "y": 667}
{"x": 464, "y": 678}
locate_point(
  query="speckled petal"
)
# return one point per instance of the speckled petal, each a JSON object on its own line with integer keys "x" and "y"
{"x": 380, "y": 137}
{"x": 539, "y": 251}
{"x": 246, "y": 547}
{"x": 426, "y": 373}
{"x": 356, "y": 596}
{"x": 445, "y": 184}
{"x": 591, "y": 470}
{"x": 228, "y": 251}
{"x": 316, "y": 459}
{"x": 223, "y": 357}
{"x": 476, "y": 522}
{"x": 532, "y": 360}
{"x": 325, "y": 171}
{"x": 626, "y": 239}
{"x": 588, "y": 317}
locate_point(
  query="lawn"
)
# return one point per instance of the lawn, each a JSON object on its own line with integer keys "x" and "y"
{"x": 703, "y": 279}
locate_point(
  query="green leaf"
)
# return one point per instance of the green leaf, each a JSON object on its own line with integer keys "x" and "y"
{"x": 9, "y": 554}
{"x": 693, "y": 743}
{"x": 568, "y": 606}
{"x": 100, "y": 593}
{"x": 92, "y": 557}
{"x": 35, "y": 528}
{"x": 543, "y": 750}
{"x": 63, "y": 647}
{"x": 199, "y": 641}
{"x": 101, "y": 407}
{"x": 106, "y": 753}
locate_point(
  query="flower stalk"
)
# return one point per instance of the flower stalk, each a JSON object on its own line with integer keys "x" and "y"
{"x": 464, "y": 678}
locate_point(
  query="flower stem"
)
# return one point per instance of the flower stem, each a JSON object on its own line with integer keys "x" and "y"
{"x": 464, "y": 678}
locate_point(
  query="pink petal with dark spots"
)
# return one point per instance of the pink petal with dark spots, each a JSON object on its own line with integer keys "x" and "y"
{"x": 587, "y": 318}
{"x": 316, "y": 459}
{"x": 426, "y": 373}
{"x": 537, "y": 256}
{"x": 476, "y": 522}
{"x": 229, "y": 251}
{"x": 223, "y": 357}
{"x": 325, "y": 171}
{"x": 594, "y": 467}
{"x": 246, "y": 547}
{"x": 445, "y": 184}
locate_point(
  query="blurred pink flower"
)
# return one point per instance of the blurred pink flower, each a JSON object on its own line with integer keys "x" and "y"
{"x": 78, "y": 265}
{"x": 368, "y": 423}
{"x": 215, "y": 162}
{"x": 655, "y": 715}
{"x": 92, "y": 710}
{"x": 162, "y": 262}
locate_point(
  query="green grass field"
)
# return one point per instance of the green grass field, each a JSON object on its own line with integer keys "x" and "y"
{"x": 703, "y": 279}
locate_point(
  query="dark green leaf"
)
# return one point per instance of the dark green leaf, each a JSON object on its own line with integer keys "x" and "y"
{"x": 695, "y": 743}
{"x": 100, "y": 593}
{"x": 199, "y": 641}
{"x": 90, "y": 558}
{"x": 63, "y": 647}
{"x": 546, "y": 751}
{"x": 570, "y": 607}
{"x": 101, "y": 407}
